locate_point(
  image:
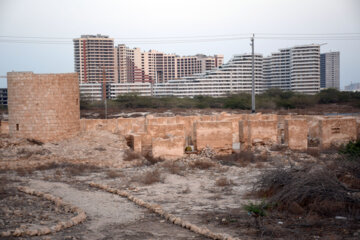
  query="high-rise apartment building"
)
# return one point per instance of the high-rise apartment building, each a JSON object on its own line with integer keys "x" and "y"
{"x": 94, "y": 55}
{"x": 296, "y": 69}
{"x": 330, "y": 70}
{"x": 157, "y": 67}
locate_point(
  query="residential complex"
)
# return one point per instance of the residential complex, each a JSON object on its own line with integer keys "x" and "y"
{"x": 296, "y": 69}
{"x": 154, "y": 73}
{"x": 330, "y": 70}
{"x": 96, "y": 60}
{"x": 94, "y": 57}
{"x": 134, "y": 66}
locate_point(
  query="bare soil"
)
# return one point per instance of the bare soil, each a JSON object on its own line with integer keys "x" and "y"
{"x": 211, "y": 196}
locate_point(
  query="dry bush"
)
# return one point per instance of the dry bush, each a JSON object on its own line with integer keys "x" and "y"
{"x": 347, "y": 171}
{"x": 131, "y": 155}
{"x": 241, "y": 159}
{"x": 223, "y": 182}
{"x": 79, "y": 169}
{"x": 315, "y": 152}
{"x": 47, "y": 166}
{"x": 174, "y": 167}
{"x": 24, "y": 171}
{"x": 202, "y": 164}
{"x": 114, "y": 174}
{"x": 100, "y": 149}
{"x": 35, "y": 142}
{"x": 153, "y": 160}
{"x": 278, "y": 148}
{"x": 3, "y": 183}
{"x": 313, "y": 191}
{"x": 150, "y": 177}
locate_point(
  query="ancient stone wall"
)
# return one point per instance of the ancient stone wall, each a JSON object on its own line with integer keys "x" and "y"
{"x": 296, "y": 134}
{"x": 43, "y": 106}
{"x": 217, "y": 135}
{"x": 337, "y": 131}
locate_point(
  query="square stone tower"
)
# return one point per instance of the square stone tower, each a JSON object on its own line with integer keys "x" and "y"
{"x": 43, "y": 106}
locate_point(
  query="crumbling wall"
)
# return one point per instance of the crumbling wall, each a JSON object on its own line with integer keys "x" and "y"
{"x": 262, "y": 131}
{"x": 337, "y": 131}
{"x": 217, "y": 135}
{"x": 296, "y": 134}
{"x": 168, "y": 148}
{"x": 43, "y": 106}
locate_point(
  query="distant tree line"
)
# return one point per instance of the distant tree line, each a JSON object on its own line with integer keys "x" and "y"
{"x": 270, "y": 99}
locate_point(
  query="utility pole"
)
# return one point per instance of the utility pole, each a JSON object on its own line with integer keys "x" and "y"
{"x": 253, "y": 76}
{"x": 104, "y": 91}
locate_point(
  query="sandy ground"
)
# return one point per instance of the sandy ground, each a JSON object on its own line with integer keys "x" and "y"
{"x": 195, "y": 194}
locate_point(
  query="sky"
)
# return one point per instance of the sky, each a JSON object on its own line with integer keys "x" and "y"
{"x": 137, "y": 22}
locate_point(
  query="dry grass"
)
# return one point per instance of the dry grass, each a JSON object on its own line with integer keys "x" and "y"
{"x": 153, "y": 160}
{"x": 24, "y": 171}
{"x": 310, "y": 191}
{"x": 174, "y": 167}
{"x": 223, "y": 182}
{"x": 242, "y": 159}
{"x": 131, "y": 155}
{"x": 3, "y": 183}
{"x": 114, "y": 174}
{"x": 202, "y": 164}
{"x": 315, "y": 152}
{"x": 150, "y": 177}
{"x": 35, "y": 142}
{"x": 278, "y": 148}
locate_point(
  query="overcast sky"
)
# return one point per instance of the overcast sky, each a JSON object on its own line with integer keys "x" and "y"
{"x": 164, "y": 18}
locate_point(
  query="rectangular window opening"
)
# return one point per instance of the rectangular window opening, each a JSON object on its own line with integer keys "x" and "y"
{"x": 17, "y": 127}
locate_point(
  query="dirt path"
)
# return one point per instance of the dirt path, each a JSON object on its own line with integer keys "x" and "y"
{"x": 112, "y": 217}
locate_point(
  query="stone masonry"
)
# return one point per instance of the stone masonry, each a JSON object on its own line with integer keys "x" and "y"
{"x": 43, "y": 106}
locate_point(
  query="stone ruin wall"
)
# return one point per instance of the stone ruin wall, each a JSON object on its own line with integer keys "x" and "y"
{"x": 44, "y": 107}
{"x": 168, "y": 136}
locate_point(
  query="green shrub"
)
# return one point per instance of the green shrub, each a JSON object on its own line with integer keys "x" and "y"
{"x": 257, "y": 209}
{"x": 351, "y": 150}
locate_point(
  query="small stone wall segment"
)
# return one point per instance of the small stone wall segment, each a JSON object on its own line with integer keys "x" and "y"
{"x": 263, "y": 131}
{"x": 168, "y": 148}
{"x": 43, "y": 106}
{"x": 337, "y": 131}
{"x": 217, "y": 135}
{"x": 296, "y": 134}
{"x": 163, "y": 131}
{"x": 79, "y": 218}
{"x": 135, "y": 142}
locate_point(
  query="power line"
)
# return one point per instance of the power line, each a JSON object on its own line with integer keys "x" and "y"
{"x": 190, "y": 39}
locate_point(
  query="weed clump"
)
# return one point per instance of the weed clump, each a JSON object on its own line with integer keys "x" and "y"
{"x": 223, "y": 182}
{"x": 174, "y": 167}
{"x": 150, "y": 177}
{"x": 257, "y": 209}
{"x": 202, "y": 164}
{"x": 131, "y": 155}
{"x": 351, "y": 150}
{"x": 314, "y": 191}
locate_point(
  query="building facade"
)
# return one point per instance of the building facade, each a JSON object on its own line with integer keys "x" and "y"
{"x": 330, "y": 70}
{"x": 94, "y": 57}
{"x": 296, "y": 69}
{"x": 3, "y": 96}
{"x": 134, "y": 66}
